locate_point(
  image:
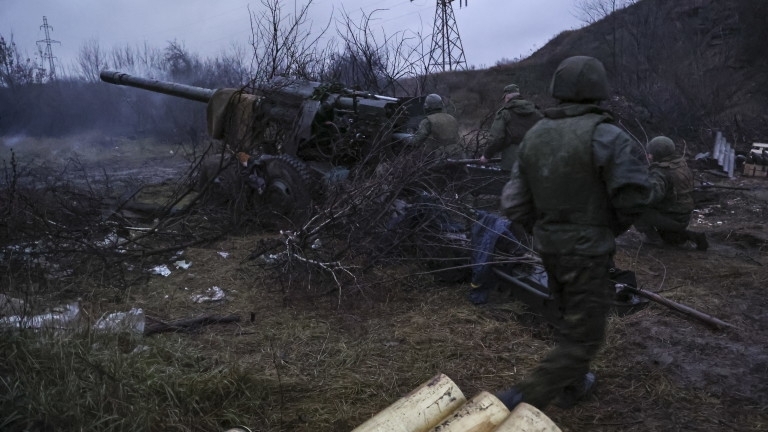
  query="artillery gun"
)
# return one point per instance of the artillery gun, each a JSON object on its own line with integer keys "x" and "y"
{"x": 290, "y": 136}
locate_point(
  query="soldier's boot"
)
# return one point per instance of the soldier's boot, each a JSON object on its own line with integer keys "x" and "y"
{"x": 510, "y": 398}
{"x": 478, "y": 293}
{"x": 700, "y": 239}
{"x": 574, "y": 393}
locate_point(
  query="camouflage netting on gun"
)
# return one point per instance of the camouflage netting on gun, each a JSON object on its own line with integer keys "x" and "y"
{"x": 232, "y": 115}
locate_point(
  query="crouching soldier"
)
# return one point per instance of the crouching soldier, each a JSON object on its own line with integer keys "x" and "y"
{"x": 666, "y": 220}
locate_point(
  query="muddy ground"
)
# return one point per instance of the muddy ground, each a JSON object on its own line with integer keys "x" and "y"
{"x": 660, "y": 370}
{"x": 343, "y": 353}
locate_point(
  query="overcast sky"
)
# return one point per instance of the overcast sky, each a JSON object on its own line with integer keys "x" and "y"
{"x": 490, "y": 29}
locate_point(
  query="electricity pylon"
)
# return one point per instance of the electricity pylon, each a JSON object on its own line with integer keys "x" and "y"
{"x": 48, "y": 53}
{"x": 446, "y": 52}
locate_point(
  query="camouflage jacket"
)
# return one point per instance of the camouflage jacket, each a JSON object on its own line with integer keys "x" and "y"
{"x": 579, "y": 182}
{"x": 438, "y": 135}
{"x": 678, "y": 196}
{"x": 509, "y": 126}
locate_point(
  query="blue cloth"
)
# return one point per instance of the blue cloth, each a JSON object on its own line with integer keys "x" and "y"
{"x": 485, "y": 232}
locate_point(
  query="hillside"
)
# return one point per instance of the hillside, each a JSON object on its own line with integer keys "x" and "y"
{"x": 682, "y": 68}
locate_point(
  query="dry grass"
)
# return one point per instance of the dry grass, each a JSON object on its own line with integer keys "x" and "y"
{"x": 307, "y": 362}
{"x": 91, "y": 382}
{"x": 311, "y": 353}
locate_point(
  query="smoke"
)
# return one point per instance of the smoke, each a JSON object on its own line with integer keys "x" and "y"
{"x": 13, "y": 140}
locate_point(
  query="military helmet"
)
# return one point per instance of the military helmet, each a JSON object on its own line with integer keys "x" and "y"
{"x": 660, "y": 148}
{"x": 512, "y": 88}
{"x": 580, "y": 79}
{"x": 433, "y": 102}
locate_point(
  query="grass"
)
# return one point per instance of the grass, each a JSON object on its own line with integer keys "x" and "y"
{"x": 294, "y": 368}
{"x": 322, "y": 356}
{"x": 84, "y": 381}
{"x": 308, "y": 362}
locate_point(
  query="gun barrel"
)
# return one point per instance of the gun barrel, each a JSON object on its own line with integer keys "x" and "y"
{"x": 199, "y": 94}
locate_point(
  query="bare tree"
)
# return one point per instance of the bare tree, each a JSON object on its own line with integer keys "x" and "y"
{"x": 283, "y": 43}
{"x": 91, "y": 59}
{"x": 15, "y": 69}
{"x": 592, "y": 11}
{"x": 377, "y": 61}
{"x": 149, "y": 57}
{"x": 228, "y": 69}
{"x": 140, "y": 59}
{"x": 123, "y": 58}
{"x": 181, "y": 64}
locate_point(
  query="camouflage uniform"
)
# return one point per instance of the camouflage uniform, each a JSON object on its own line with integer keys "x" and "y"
{"x": 438, "y": 133}
{"x": 668, "y": 217}
{"x": 579, "y": 182}
{"x": 510, "y": 125}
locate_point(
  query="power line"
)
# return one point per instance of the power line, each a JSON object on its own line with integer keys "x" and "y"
{"x": 48, "y": 54}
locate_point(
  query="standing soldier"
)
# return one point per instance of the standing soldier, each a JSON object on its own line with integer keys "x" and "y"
{"x": 509, "y": 127}
{"x": 667, "y": 220}
{"x": 438, "y": 134}
{"x": 579, "y": 182}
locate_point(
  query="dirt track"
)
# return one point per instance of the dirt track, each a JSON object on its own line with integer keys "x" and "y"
{"x": 693, "y": 377}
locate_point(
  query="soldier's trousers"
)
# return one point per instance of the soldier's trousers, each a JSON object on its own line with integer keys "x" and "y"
{"x": 581, "y": 285}
{"x": 671, "y": 227}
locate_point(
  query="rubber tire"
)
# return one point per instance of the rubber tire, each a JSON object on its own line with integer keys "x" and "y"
{"x": 288, "y": 192}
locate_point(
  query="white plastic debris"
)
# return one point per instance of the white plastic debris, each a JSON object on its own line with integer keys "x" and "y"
{"x": 272, "y": 258}
{"x": 112, "y": 241}
{"x": 131, "y": 321}
{"x": 212, "y": 294}
{"x": 183, "y": 264}
{"x": 317, "y": 244}
{"x": 140, "y": 349}
{"x": 223, "y": 254}
{"x": 161, "y": 270}
{"x": 109, "y": 240}
{"x": 59, "y": 318}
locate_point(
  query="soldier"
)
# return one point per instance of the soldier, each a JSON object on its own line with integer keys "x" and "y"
{"x": 509, "y": 127}
{"x": 579, "y": 182}
{"x": 667, "y": 220}
{"x": 438, "y": 134}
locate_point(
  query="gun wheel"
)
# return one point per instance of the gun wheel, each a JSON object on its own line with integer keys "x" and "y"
{"x": 288, "y": 191}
